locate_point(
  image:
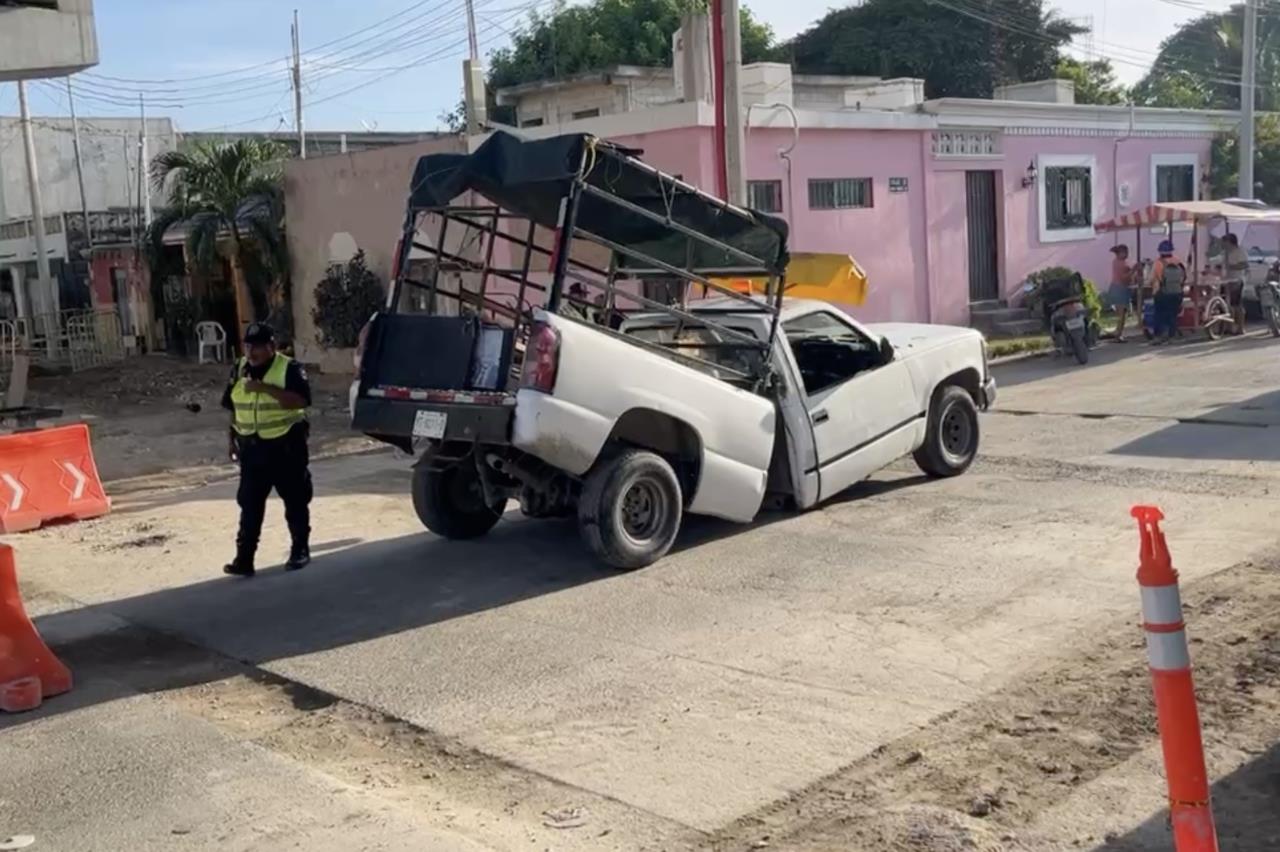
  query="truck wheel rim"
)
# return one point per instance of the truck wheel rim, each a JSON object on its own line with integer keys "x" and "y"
{"x": 957, "y": 432}
{"x": 643, "y": 510}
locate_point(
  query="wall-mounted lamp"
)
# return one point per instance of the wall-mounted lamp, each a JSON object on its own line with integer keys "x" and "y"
{"x": 1029, "y": 179}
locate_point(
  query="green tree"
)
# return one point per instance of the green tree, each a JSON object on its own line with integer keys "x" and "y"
{"x": 1199, "y": 65}
{"x": 603, "y": 33}
{"x": 1266, "y": 166}
{"x": 962, "y": 49}
{"x": 228, "y": 192}
{"x": 1095, "y": 81}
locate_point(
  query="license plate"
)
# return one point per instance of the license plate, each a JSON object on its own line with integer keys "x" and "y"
{"x": 1075, "y": 323}
{"x": 429, "y": 424}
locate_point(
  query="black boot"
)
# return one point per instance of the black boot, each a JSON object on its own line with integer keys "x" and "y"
{"x": 299, "y": 557}
{"x": 242, "y": 565}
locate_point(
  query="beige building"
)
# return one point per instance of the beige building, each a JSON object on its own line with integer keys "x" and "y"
{"x": 337, "y": 205}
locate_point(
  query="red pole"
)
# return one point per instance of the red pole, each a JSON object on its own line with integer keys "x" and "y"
{"x": 717, "y": 75}
{"x": 1190, "y": 810}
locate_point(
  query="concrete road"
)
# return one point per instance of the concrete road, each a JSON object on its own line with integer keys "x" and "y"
{"x": 668, "y": 702}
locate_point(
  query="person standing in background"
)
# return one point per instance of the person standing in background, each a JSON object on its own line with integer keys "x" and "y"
{"x": 1234, "y": 270}
{"x": 1120, "y": 292}
{"x": 1168, "y": 277}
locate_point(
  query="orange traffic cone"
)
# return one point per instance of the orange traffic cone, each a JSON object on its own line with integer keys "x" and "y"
{"x": 29, "y": 672}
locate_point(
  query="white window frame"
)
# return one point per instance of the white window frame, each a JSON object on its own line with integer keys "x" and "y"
{"x": 1044, "y": 162}
{"x": 1158, "y": 160}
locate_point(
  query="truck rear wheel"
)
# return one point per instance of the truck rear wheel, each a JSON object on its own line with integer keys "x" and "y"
{"x": 451, "y": 502}
{"x": 951, "y": 439}
{"x": 630, "y": 509}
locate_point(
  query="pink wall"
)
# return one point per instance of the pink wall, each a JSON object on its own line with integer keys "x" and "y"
{"x": 914, "y": 244}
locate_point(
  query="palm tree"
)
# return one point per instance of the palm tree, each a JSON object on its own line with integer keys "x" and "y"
{"x": 228, "y": 192}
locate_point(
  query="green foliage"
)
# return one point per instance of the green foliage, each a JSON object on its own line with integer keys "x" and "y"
{"x": 603, "y": 33}
{"x": 1199, "y": 65}
{"x": 345, "y": 299}
{"x": 1266, "y": 167}
{"x": 220, "y": 190}
{"x": 1095, "y": 81}
{"x": 957, "y": 55}
{"x": 1091, "y": 298}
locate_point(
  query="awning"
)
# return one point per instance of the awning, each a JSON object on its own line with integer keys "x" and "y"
{"x": 829, "y": 277}
{"x": 1156, "y": 215}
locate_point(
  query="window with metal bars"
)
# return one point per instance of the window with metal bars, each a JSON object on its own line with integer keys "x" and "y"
{"x": 1068, "y": 197}
{"x": 839, "y": 193}
{"x": 765, "y": 195}
{"x": 1176, "y": 183}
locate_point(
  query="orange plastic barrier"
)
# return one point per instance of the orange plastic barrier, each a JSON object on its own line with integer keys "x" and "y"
{"x": 1190, "y": 811}
{"x": 48, "y": 475}
{"x": 29, "y": 672}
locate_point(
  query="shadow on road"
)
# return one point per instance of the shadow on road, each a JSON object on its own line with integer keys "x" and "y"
{"x": 1246, "y": 807}
{"x": 1240, "y": 431}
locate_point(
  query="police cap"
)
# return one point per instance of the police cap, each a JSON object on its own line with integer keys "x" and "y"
{"x": 259, "y": 333}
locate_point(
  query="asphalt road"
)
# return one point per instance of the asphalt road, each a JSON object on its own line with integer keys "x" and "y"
{"x": 749, "y": 663}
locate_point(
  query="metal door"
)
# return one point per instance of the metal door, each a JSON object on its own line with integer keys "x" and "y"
{"x": 980, "y": 192}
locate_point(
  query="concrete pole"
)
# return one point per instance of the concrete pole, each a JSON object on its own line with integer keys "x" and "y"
{"x": 144, "y": 155}
{"x": 1248, "y": 97}
{"x": 297, "y": 90}
{"x": 37, "y": 209}
{"x": 75, "y": 144}
{"x": 473, "y": 45}
{"x": 734, "y": 137}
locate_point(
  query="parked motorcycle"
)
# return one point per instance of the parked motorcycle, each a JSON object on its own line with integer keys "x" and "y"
{"x": 1061, "y": 301}
{"x": 1269, "y": 298}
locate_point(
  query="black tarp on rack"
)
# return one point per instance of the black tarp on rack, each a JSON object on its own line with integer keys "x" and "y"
{"x": 531, "y": 177}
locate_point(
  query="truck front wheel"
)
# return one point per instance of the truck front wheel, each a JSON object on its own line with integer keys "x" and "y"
{"x": 630, "y": 508}
{"x": 951, "y": 438}
{"x": 451, "y": 502}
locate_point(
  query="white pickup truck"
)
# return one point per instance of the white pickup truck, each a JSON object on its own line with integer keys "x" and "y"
{"x": 717, "y": 406}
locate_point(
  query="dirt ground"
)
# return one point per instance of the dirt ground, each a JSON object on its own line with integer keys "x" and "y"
{"x": 157, "y": 419}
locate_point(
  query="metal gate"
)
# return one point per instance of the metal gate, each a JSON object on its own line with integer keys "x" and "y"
{"x": 980, "y": 196}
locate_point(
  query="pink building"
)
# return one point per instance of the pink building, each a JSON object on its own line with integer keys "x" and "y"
{"x": 946, "y": 203}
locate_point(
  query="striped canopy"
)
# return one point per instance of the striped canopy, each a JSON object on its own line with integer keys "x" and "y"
{"x": 1155, "y": 215}
{"x": 1147, "y": 217}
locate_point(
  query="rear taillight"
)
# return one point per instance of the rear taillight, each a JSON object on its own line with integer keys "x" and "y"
{"x": 541, "y": 358}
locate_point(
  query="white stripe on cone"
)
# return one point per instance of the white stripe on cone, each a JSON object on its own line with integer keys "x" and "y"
{"x": 1161, "y": 604}
{"x": 1168, "y": 651}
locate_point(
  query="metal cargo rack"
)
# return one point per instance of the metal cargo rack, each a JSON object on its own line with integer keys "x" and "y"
{"x": 581, "y": 189}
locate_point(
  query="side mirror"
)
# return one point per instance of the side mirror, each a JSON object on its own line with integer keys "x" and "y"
{"x": 886, "y": 351}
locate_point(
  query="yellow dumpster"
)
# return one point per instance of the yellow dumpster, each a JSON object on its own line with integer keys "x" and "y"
{"x": 830, "y": 277}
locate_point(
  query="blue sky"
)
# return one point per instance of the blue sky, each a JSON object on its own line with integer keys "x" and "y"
{"x": 213, "y": 64}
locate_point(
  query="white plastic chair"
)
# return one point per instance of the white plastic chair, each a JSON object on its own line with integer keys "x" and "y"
{"x": 211, "y": 336}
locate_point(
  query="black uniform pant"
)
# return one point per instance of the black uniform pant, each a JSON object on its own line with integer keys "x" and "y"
{"x": 281, "y": 464}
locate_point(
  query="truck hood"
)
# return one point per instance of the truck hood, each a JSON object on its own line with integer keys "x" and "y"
{"x": 909, "y": 337}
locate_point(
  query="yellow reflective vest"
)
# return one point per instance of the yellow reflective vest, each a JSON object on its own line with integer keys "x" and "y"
{"x": 260, "y": 413}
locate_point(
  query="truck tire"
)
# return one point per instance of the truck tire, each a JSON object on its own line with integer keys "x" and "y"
{"x": 451, "y": 502}
{"x": 951, "y": 438}
{"x": 630, "y": 509}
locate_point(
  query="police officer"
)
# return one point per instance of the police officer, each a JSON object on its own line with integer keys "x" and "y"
{"x": 268, "y": 395}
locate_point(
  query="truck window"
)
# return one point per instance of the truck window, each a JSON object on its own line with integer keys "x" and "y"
{"x": 829, "y": 351}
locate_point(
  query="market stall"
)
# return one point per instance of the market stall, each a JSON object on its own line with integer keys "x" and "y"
{"x": 1205, "y": 305}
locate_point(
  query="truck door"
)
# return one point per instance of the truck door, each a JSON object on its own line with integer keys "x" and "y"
{"x": 862, "y": 407}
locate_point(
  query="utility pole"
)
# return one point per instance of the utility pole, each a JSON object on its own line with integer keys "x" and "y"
{"x": 297, "y": 90}
{"x": 37, "y": 213}
{"x": 1248, "y": 97}
{"x": 734, "y": 139}
{"x": 472, "y": 43}
{"x": 75, "y": 144}
{"x": 144, "y": 158}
